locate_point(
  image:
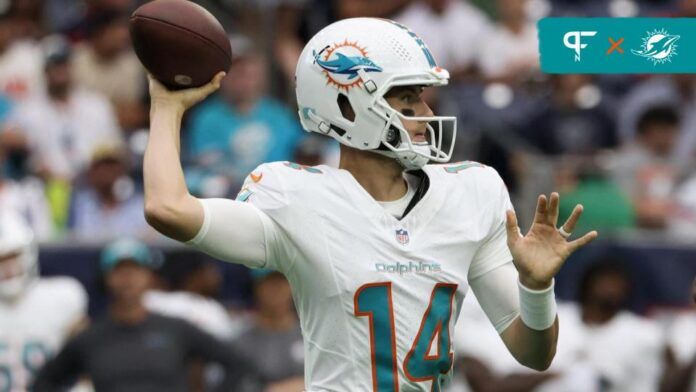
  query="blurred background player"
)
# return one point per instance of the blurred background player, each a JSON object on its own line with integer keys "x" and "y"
{"x": 36, "y": 314}
{"x": 600, "y": 324}
{"x": 681, "y": 358}
{"x": 592, "y": 352}
{"x": 189, "y": 289}
{"x": 132, "y": 349}
{"x": 273, "y": 343}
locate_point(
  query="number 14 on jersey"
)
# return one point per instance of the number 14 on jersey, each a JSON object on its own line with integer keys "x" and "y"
{"x": 374, "y": 301}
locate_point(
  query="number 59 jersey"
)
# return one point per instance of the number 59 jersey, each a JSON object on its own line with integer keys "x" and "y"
{"x": 34, "y": 327}
{"x": 377, "y": 296}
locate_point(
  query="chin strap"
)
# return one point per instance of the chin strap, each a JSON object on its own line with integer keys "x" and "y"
{"x": 421, "y": 190}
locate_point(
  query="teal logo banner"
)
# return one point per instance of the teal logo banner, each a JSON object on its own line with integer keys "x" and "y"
{"x": 617, "y": 45}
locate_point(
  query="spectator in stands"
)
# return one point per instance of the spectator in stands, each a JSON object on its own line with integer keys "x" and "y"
{"x": 575, "y": 121}
{"x": 36, "y": 314}
{"x": 368, "y": 8}
{"x": 21, "y": 75}
{"x": 511, "y": 51}
{"x": 63, "y": 127}
{"x": 648, "y": 169}
{"x": 25, "y": 197}
{"x": 231, "y": 133}
{"x": 132, "y": 349}
{"x": 106, "y": 63}
{"x": 273, "y": 344}
{"x": 678, "y": 91}
{"x": 436, "y": 20}
{"x": 27, "y": 18}
{"x": 107, "y": 204}
{"x": 585, "y": 181}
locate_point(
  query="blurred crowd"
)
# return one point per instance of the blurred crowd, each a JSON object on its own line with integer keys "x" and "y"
{"x": 74, "y": 125}
{"x": 74, "y": 110}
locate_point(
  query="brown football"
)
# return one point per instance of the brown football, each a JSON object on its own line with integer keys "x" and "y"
{"x": 180, "y": 43}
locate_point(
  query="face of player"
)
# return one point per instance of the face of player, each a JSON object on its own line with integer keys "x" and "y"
{"x": 206, "y": 281}
{"x": 128, "y": 281}
{"x": 273, "y": 295}
{"x": 609, "y": 292}
{"x": 408, "y": 100}
{"x": 11, "y": 275}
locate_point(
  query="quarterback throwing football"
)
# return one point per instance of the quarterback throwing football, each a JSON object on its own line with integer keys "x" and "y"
{"x": 381, "y": 251}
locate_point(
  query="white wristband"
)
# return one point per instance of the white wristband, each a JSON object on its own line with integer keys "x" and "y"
{"x": 537, "y": 307}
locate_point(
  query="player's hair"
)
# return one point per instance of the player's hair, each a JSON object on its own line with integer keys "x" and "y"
{"x": 605, "y": 266}
{"x": 658, "y": 115}
{"x": 181, "y": 265}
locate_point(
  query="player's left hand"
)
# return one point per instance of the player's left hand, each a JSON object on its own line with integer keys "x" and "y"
{"x": 540, "y": 254}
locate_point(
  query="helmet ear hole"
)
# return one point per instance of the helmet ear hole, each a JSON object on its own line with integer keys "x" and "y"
{"x": 345, "y": 107}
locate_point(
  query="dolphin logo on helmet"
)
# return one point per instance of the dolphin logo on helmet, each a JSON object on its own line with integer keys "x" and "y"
{"x": 345, "y": 65}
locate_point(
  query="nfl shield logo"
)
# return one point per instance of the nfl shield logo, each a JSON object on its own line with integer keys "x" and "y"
{"x": 402, "y": 236}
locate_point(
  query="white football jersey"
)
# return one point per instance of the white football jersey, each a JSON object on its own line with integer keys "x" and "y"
{"x": 205, "y": 313}
{"x": 34, "y": 328}
{"x": 682, "y": 340}
{"x": 622, "y": 366}
{"x": 378, "y": 297}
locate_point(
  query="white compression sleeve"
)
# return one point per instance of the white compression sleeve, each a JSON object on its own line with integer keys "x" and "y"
{"x": 234, "y": 231}
{"x": 498, "y": 295}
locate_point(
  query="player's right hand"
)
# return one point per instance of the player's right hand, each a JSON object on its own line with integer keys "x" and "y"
{"x": 182, "y": 99}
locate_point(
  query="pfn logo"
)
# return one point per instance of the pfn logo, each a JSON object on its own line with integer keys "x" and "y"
{"x": 573, "y": 40}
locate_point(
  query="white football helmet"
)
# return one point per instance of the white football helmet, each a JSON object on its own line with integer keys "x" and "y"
{"x": 18, "y": 272}
{"x": 360, "y": 60}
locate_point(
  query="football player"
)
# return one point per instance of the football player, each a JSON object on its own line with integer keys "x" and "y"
{"x": 36, "y": 314}
{"x": 380, "y": 251}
